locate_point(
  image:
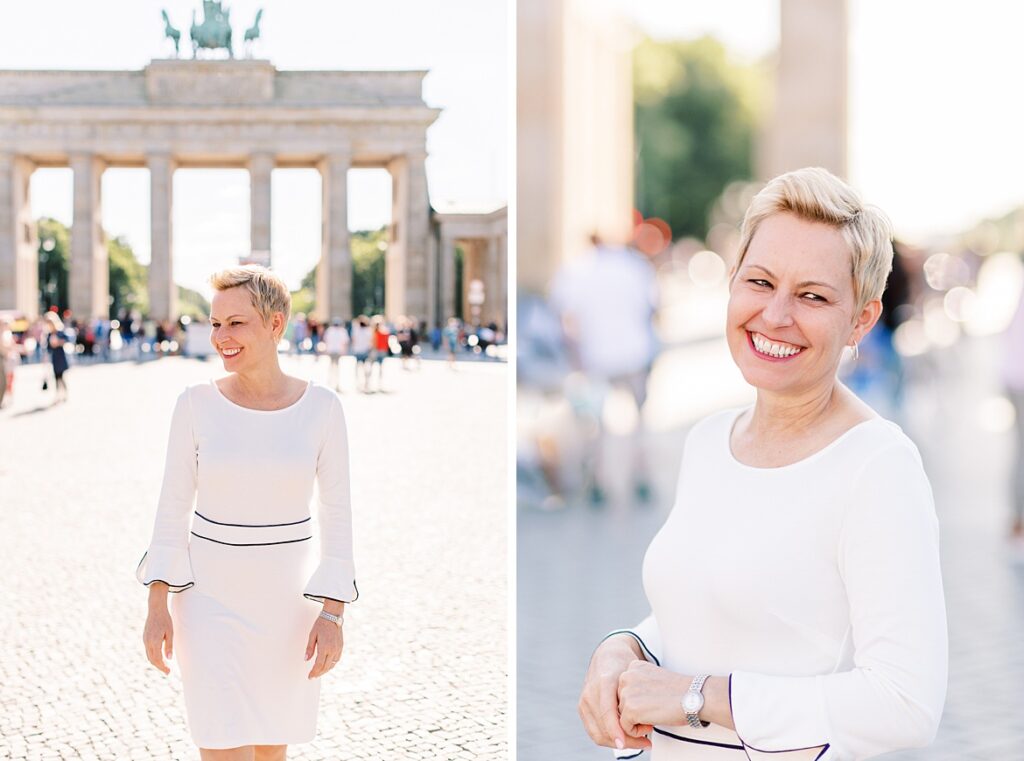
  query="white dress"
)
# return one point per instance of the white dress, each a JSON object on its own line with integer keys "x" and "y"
{"x": 815, "y": 587}
{"x": 234, "y": 537}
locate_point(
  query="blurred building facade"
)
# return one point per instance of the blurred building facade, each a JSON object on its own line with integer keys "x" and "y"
{"x": 483, "y": 238}
{"x": 574, "y": 132}
{"x": 808, "y": 125}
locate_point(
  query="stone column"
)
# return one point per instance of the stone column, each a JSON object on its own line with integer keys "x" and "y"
{"x": 503, "y": 281}
{"x": 19, "y": 243}
{"x": 260, "y": 167}
{"x": 446, "y": 257}
{"x": 334, "y": 273}
{"x": 492, "y": 298}
{"x": 407, "y": 279}
{"x": 163, "y": 294}
{"x": 88, "y": 279}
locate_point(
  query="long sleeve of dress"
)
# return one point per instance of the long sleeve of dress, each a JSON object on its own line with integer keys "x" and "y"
{"x": 167, "y": 558}
{"x": 334, "y": 578}
{"x": 893, "y": 696}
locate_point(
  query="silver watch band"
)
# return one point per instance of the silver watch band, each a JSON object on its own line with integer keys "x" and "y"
{"x": 697, "y": 685}
{"x": 339, "y": 620}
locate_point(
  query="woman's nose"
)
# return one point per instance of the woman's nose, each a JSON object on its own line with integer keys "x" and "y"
{"x": 779, "y": 310}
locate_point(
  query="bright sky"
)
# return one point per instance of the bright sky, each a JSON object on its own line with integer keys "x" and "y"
{"x": 935, "y": 112}
{"x": 462, "y": 42}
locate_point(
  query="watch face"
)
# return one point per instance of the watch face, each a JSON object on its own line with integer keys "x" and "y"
{"x": 693, "y": 702}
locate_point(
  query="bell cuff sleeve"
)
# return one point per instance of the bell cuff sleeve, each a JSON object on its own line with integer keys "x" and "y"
{"x": 647, "y": 636}
{"x": 167, "y": 558}
{"x": 170, "y": 565}
{"x": 335, "y": 577}
{"x": 892, "y": 698}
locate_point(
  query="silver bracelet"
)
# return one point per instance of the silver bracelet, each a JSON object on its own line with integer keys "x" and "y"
{"x": 339, "y": 620}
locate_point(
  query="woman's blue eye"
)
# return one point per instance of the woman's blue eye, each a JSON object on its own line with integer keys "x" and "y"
{"x": 762, "y": 283}
{"x": 814, "y": 297}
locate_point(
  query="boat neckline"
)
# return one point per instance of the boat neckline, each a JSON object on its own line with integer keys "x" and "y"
{"x": 802, "y": 461}
{"x": 296, "y": 403}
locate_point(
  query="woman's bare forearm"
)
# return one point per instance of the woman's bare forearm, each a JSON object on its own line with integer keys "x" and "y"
{"x": 158, "y": 595}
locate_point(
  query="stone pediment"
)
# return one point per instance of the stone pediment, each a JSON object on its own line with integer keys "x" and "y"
{"x": 213, "y": 84}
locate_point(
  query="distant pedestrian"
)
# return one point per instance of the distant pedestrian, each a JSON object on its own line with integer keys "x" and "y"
{"x": 8, "y": 360}
{"x": 381, "y": 350}
{"x": 336, "y": 343}
{"x": 1013, "y": 381}
{"x": 55, "y": 342}
{"x": 607, "y": 300}
{"x": 362, "y": 345}
{"x": 451, "y": 340}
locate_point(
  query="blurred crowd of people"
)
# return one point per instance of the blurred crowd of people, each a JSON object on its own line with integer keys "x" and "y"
{"x": 61, "y": 339}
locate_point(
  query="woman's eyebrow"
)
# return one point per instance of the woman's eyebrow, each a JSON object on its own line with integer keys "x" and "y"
{"x": 227, "y": 318}
{"x": 798, "y": 285}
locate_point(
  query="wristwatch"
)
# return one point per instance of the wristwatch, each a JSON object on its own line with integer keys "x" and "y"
{"x": 339, "y": 620}
{"x": 693, "y": 702}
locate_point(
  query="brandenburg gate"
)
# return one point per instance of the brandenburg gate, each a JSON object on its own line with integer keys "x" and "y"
{"x": 217, "y": 113}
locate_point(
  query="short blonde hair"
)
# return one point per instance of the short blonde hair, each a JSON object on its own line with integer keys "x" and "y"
{"x": 817, "y": 195}
{"x": 267, "y": 292}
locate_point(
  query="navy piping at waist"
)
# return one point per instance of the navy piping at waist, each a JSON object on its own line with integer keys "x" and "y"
{"x": 253, "y": 525}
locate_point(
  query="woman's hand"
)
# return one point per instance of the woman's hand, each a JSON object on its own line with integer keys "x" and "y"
{"x": 326, "y": 640}
{"x": 158, "y": 637}
{"x": 649, "y": 694}
{"x": 599, "y": 703}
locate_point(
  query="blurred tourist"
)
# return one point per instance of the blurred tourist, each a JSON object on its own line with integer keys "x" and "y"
{"x": 55, "y": 342}
{"x": 362, "y": 345}
{"x": 336, "y": 343}
{"x": 1013, "y": 380}
{"x": 607, "y": 300}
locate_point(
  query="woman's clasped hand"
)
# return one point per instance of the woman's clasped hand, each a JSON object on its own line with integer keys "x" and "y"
{"x": 608, "y": 719}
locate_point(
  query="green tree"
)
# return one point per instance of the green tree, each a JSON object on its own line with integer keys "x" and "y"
{"x": 128, "y": 278}
{"x": 696, "y": 117}
{"x": 369, "y": 249}
{"x": 53, "y": 263}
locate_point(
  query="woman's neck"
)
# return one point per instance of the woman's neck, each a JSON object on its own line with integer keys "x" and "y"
{"x": 781, "y": 416}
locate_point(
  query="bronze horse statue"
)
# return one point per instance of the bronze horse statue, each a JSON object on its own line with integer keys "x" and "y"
{"x": 171, "y": 32}
{"x": 253, "y": 32}
{"x": 215, "y": 31}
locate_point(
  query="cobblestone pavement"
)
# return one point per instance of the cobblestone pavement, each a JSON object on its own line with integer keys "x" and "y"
{"x": 579, "y": 569}
{"x": 424, "y": 674}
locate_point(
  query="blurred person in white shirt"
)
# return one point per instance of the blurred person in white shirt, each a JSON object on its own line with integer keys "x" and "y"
{"x": 336, "y": 343}
{"x": 607, "y": 299}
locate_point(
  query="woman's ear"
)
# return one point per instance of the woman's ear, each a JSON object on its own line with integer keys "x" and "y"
{"x": 866, "y": 319}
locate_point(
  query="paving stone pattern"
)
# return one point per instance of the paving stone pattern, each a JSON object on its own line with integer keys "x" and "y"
{"x": 579, "y": 574}
{"x": 424, "y": 673}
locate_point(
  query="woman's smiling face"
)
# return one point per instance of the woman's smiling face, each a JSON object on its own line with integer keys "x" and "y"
{"x": 792, "y": 307}
{"x": 239, "y": 334}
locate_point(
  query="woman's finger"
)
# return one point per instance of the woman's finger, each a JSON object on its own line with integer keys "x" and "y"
{"x": 608, "y": 712}
{"x": 311, "y": 644}
{"x": 318, "y": 666}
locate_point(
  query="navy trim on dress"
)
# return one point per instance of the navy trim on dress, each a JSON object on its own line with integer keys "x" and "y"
{"x": 746, "y": 745}
{"x": 321, "y": 598}
{"x": 250, "y": 544}
{"x": 626, "y": 758}
{"x": 634, "y": 635}
{"x": 170, "y": 586}
{"x": 698, "y": 742}
{"x": 254, "y": 525}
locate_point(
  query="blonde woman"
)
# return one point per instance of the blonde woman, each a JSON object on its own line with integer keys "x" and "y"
{"x": 257, "y": 613}
{"x": 797, "y": 604}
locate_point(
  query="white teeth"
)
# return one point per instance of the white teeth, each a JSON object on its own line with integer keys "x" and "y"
{"x": 231, "y": 352}
{"x": 765, "y": 346}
